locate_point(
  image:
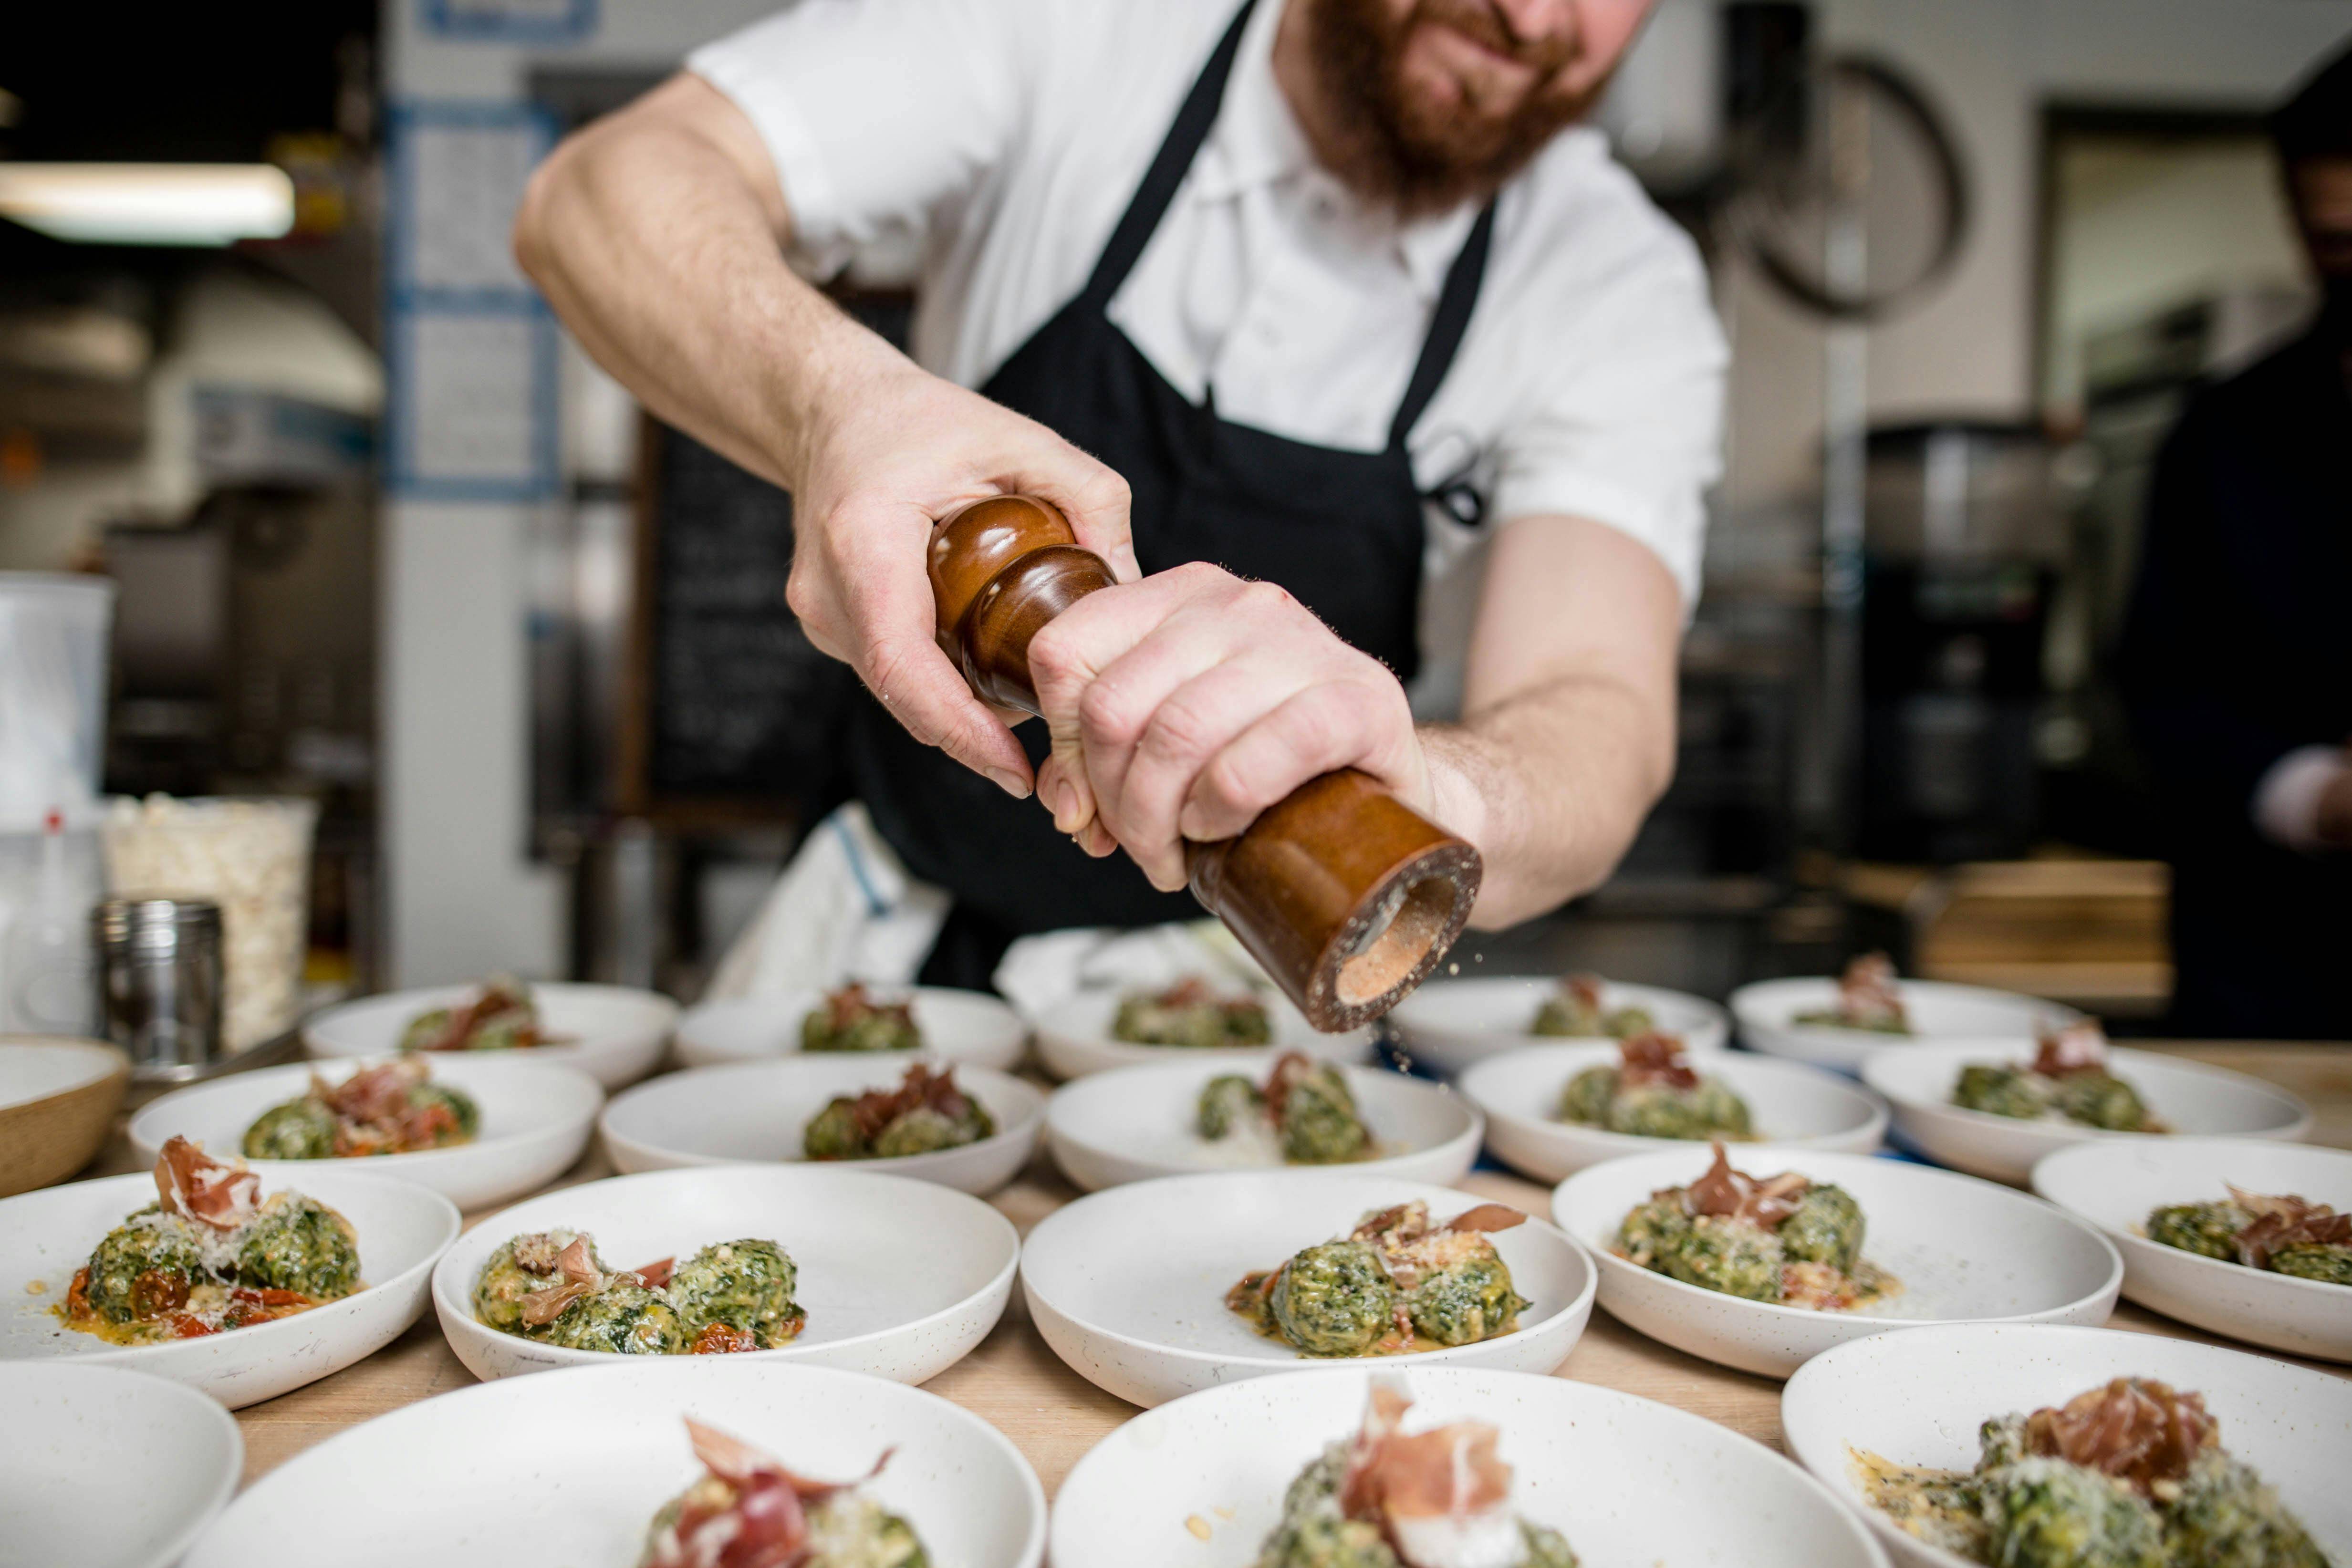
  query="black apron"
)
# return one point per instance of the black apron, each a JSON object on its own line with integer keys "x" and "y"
{"x": 1341, "y": 531}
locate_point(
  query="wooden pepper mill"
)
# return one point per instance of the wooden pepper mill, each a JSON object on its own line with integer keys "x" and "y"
{"x": 1348, "y": 896}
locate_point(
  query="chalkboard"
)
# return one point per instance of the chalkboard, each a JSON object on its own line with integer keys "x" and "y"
{"x": 736, "y": 714}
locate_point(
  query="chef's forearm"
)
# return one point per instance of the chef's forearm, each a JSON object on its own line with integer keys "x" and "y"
{"x": 657, "y": 234}
{"x": 1551, "y": 784}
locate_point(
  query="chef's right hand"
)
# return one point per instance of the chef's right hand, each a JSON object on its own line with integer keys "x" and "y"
{"x": 889, "y": 450}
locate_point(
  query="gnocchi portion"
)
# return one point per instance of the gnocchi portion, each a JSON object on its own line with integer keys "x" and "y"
{"x": 1303, "y": 1113}
{"x": 749, "y": 1511}
{"x": 551, "y": 1286}
{"x": 1395, "y": 1283}
{"x": 1783, "y": 1239}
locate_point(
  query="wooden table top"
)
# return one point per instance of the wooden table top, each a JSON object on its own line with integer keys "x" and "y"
{"x": 1054, "y": 1416}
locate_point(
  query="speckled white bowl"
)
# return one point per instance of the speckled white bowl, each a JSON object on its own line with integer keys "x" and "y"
{"x": 1632, "y": 1483}
{"x": 1801, "y": 1107}
{"x": 758, "y": 1111}
{"x": 616, "y": 1035}
{"x": 1074, "y": 1040}
{"x": 1917, "y": 1399}
{"x": 959, "y": 1026}
{"x": 2197, "y": 1100}
{"x": 1449, "y": 1024}
{"x": 1129, "y": 1284}
{"x": 2114, "y": 1185}
{"x": 1966, "y": 1250}
{"x": 1765, "y": 1012}
{"x": 535, "y": 1118}
{"x": 402, "y": 1230}
{"x": 104, "y": 1467}
{"x": 1133, "y": 1124}
{"x": 572, "y": 1469}
{"x": 899, "y": 1278}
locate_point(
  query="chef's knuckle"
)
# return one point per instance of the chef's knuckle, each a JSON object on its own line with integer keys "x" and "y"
{"x": 1106, "y": 717}
{"x": 1180, "y": 730}
{"x": 1261, "y": 600}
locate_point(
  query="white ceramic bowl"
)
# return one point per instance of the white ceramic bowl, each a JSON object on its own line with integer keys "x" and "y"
{"x": 1519, "y": 1091}
{"x": 1765, "y": 1012}
{"x": 758, "y": 1111}
{"x": 107, "y": 1468}
{"x": 535, "y": 1118}
{"x": 1129, "y": 1284}
{"x": 2195, "y": 1099}
{"x": 403, "y": 1230}
{"x": 1133, "y": 1124}
{"x": 572, "y": 1470}
{"x": 2114, "y": 1184}
{"x": 1917, "y": 1399}
{"x": 1966, "y": 1250}
{"x": 1632, "y": 1483}
{"x": 899, "y": 1278}
{"x": 1074, "y": 1040}
{"x": 959, "y": 1026}
{"x": 616, "y": 1034}
{"x": 1449, "y": 1024}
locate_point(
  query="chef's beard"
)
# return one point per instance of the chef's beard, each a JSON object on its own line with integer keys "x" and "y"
{"x": 1397, "y": 149}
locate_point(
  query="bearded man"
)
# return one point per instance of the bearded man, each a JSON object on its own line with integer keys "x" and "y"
{"x": 1284, "y": 306}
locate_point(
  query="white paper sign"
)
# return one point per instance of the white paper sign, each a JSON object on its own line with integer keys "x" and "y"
{"x": 473, "y": 408}
{"x": 464, "y": 183}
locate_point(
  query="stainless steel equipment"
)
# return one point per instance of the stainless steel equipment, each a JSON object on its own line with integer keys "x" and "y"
{"x": 160, "y": 982}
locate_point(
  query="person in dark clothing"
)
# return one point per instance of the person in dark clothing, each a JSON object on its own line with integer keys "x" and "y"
{"x": 2237, "y": 658}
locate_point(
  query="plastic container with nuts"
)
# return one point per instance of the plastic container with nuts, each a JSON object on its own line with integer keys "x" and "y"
{"x": 252, "y": 857}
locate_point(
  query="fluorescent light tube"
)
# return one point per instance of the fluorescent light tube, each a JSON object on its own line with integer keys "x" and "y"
{"x": 149, "y": 204}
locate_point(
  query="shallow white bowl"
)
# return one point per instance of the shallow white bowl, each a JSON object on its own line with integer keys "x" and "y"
{"x": 1966, "y": 1250}
{"x": 617, "y": 1034}
{"x": 1133, "y": 1124}
{"x": 1917, "y": 1399}
{"x": 1129, "y": 1284}
{"x": 1449, "y": 1024}
{"x": 1938, "y": 1010}
{"x": 403, "y": 1230}
{"x": 758, "y": 1111}
{"x": 900, "y": 1278}
{"x": 572, "y": 1470}
{"x": 2114, "y": 1184}
{"x": 1632, "y": 1483}
{"x": 1789, "y": 1105}
{"x": 535, "y": 1118}
{"x": 1074, "y": 1040}
{"x": 958, "y": 1026}
{"x": 2195, "y": 1099}
{"x": 102, "y": 1467}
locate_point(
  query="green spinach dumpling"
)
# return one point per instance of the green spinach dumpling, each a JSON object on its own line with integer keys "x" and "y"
{"x": 745, "y": 1286}
{"x": 299, "y": 1244}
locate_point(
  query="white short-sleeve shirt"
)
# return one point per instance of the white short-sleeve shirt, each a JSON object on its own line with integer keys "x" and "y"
{"x": 1000, "y": 140}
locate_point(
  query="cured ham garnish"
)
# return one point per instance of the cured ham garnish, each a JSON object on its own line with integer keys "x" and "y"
{"x": 1441, "y": 1497}
{"x": 1409, "y": 1222}
{"x": 1763, "y": 1202}
{"x": 378, "y": 1093}
{"x": 921, "y": 1089}
{"x": 1867, "y": 994}
{"x": 1289, "y": 1069}
{"x": 581, "y": 1278}
{"x": 2139, "y": 1431}
{"x": 1585, "y": 991}
{"x": 757, "y": 1517}
{"x": 1653, "y": 1058}
{"x": 2077, "y": 1047}
{"x": 853, "y": 1002}
{"x": 192, "y": 1185}
{"x": 2284, "y": 1221}
{"x": 654, "y": 1276}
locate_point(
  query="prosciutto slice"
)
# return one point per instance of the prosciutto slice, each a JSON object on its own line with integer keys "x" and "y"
{"x": 1763, "y": 1202}
{"x": 2139, "y": 1431}
{"x": 2077, "y": 1047}
{"x": 1652, "y": 1058}
{"x": 581, "y": 1278}
{"x": 920, "y": 1089}
{"x": 2284, "y": 1221}
{"x": 1441, "y": 1497}
{"x": 757, "y": 1519}
{"x": 194, "y": 1185}
{"x": 1866, "y": 992}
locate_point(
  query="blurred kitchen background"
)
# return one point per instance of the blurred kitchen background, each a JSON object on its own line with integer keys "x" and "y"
{"x": 324, "y": 505}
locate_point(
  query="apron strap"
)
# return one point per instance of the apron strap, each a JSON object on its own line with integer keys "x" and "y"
{"x": 1161, "y": 181}
{"x": 1447, "y": 323}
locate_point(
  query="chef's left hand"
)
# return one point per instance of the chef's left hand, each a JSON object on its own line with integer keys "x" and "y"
{"x": 1183, "y": 704}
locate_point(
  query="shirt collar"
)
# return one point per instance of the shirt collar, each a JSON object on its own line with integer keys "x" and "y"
{"x": 1258, "y": 141}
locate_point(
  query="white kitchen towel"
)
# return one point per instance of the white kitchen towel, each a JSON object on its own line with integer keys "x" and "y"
{"x": 1038, "y": 971}
{"x": 843, "y": 910}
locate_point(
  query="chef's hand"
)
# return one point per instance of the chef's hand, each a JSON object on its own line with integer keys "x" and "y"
{"x": 886, "y": 450}
{"x": 1183, "y": 705}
